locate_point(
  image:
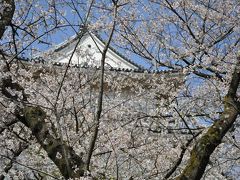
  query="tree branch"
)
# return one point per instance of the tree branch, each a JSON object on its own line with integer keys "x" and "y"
{"x": 100, "y": 96}
{"x": 33, "y": 117}
{"x": 6, "y": 15}
{"x": 206, "y": 145}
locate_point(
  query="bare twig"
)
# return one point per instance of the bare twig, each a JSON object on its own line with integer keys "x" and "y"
{"x": 100, "y": 96}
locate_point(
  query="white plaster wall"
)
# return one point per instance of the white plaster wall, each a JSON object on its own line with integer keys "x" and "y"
{"x": 89, "y": 52}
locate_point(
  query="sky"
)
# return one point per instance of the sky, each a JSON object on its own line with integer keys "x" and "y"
{"x": 64, "y": 34}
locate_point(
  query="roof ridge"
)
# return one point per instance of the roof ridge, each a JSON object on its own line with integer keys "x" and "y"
{"x": 74, "y": 38}
{"x": 119, "y": 54}
{"x": 118, "y": 69}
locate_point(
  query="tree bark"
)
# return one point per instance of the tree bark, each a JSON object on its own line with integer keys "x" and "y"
{"x": 205, "y": 146}
{"x": 100, "y": 95}
{"x": 6, "y": 14}
{"x": 34, "y": 117}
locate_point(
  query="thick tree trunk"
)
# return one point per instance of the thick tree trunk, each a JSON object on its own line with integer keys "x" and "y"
{"x": 205, "y": 146}
{"x": 7, "y": 8}
{"x": 34, "y": 119}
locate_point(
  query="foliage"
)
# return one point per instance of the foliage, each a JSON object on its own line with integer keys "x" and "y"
{"x": 180, "y": 123}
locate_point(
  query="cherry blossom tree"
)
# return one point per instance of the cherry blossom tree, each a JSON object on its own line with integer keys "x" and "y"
{"x": 68, "y": 122}
{"x": 202, "y": 38}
